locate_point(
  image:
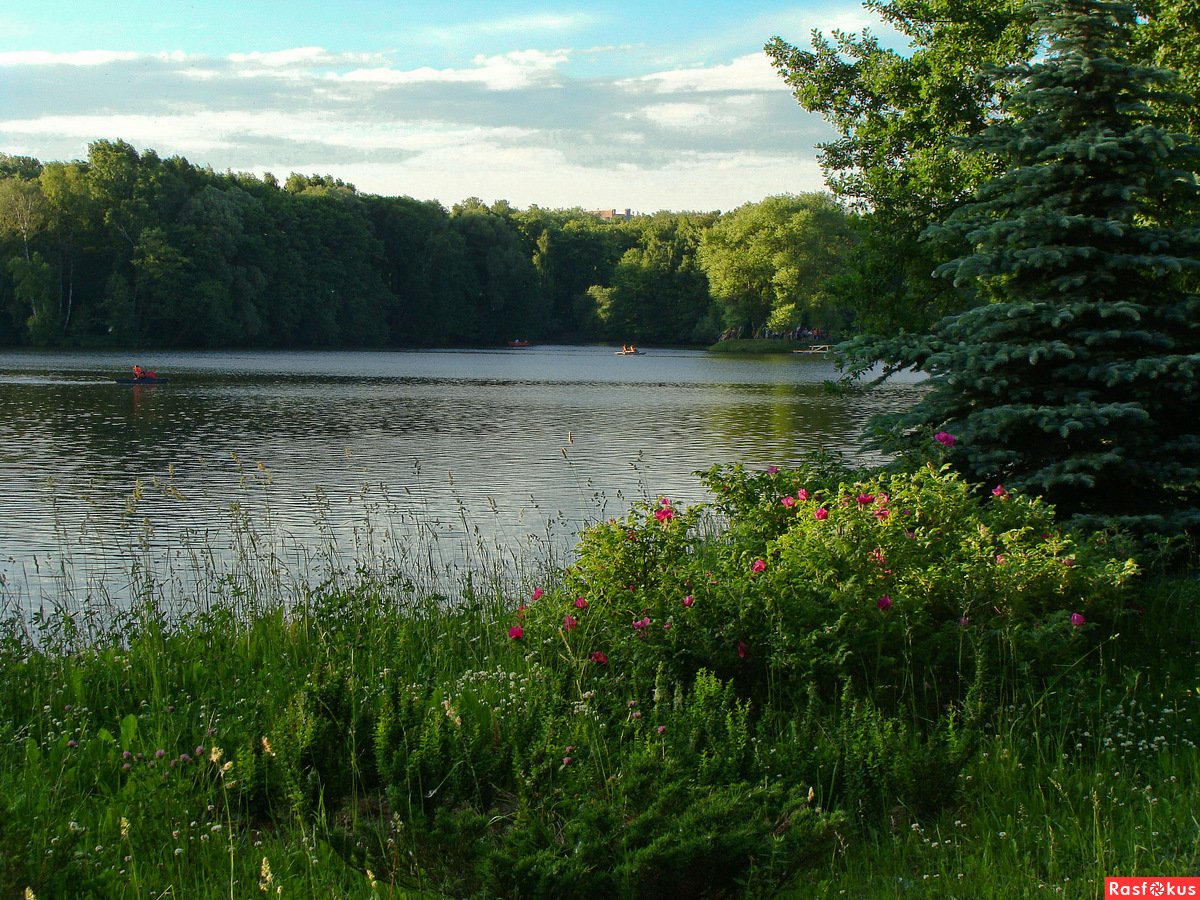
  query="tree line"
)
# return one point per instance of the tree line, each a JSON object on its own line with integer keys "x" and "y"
{"x": 126, "y": 248}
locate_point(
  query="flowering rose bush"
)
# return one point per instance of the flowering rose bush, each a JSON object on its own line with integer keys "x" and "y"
{"x": 911, "y": 589}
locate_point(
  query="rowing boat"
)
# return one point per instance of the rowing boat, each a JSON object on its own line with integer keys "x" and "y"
{"x": 140, "y": 380}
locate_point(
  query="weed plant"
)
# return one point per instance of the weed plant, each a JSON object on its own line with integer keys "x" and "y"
{"x": 820, "y": 683}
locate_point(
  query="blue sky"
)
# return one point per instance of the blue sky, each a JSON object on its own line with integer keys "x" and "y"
{"x": 600, "y": 104}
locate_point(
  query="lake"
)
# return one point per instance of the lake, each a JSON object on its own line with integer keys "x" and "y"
{"x": 314, "y": 461}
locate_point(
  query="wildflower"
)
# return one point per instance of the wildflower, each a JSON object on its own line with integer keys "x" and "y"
{"x": 661, "y": 729}
{"x": 789, "y": 501}
{"x": 664, "y": 514}
{"x": 821, "y": 514}
{"x": 521, "y": 610}
{"x": 999, "y": 492}
{"x": 265, "y": 877}
{"x": 945, "y": 439}
{"x": 884, "y": 602}
{"x": 580, "y": 603}
{"x": 160, "y": 753}
{"x": 803, "y": 494}
{"x": 964, "y": 621}
{"x": 636, "y": 714}
{"x": 567, "y": 760}
{"x": 771, "y": 470}
{"x": 865, "y": 499}
{"x": 536, "y": 595}
{"x": 72, "y": 744}
{"x": 689, "y": 600}
{"x": 999, "y": 559}
{"x": 215, "y": 754}
{"x": 758, "y": 565}
{"x": 599, "y": 658}
{"x": 1077, "y": 619}
{"x": 569, "y": 622}
{"x": 516, "y": 632}
{"x": 639, "y": 624}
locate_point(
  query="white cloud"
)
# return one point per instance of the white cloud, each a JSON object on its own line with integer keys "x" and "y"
{"x": 77, "y": 58}
{"x": 752, "y": 72}
{"x": 509, "y": 71}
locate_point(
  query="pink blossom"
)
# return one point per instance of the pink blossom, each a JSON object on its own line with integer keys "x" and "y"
{"x": 884, "y": 602}
{"x": 803, "y": 494}
{"x": 664, "y": 514}
{"x": 580, "y": 603}
{"x": 821, "y": 514}
{"x": 516, "y": 632}
{"x": 639, "y": 624}
{"x": 964, "y": 621}
{"x": 569, "y": 622}
{"x": 758, "y": 565}
{"x": 881, "y": 514}
{"x": 1077, "y": 619}
{"x": 1000, "y": 492}
{"x": 689, "y": 600}
{"x": 945, "y": 439}
{"x": 636, "y": 714}
{"x": 667, "y": 627}
{"x": 788, "y": 501}
{"x": 661, "y": 729}
{"x": 567, "y": 760}
{"x": 864, "y": 499}
{"x": 771, "y": 470}
{"x": 521, "y": 611}
{"x": 536, "y": 595}
{"x": 999, "y": 559}
{"x": 599, "y": 658}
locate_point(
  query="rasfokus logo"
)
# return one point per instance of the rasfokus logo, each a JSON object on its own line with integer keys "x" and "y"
{"x": 1152, "y": 887}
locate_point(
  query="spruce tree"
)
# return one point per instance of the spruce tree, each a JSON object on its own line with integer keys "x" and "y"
{"x": 1075, "y": 377}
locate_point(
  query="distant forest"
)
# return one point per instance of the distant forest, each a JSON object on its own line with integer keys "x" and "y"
{"x": 126, "y": 249}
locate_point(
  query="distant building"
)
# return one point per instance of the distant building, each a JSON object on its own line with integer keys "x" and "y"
{"x": 612, "y": 214}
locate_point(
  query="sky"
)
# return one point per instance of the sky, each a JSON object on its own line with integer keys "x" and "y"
{"x": 599, "y": 104}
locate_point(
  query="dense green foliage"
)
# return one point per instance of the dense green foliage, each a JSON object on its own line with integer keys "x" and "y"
{"x": 814, "y": 673}
{"x": 1078, "y": 380}
{"x": 901, "y": 116}
{"x": 126, "y": 249}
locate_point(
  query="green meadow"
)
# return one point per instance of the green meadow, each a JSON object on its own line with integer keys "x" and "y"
{"x": 820, "y": 682}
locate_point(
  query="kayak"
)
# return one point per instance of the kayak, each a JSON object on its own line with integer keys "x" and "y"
{"x": 140, "y": 380}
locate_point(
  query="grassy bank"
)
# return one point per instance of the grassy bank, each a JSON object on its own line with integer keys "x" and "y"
{"x": 817, "y": 684}
{"x": 759, "y": 346}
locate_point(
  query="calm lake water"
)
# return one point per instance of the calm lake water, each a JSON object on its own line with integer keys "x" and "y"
{"x": 328, "y": 459}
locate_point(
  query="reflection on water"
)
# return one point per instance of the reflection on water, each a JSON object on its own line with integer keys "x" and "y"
{"x": 438, "y": 453}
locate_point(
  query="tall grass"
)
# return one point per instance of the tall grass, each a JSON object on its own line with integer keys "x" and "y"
{"x": 278, "y": 722}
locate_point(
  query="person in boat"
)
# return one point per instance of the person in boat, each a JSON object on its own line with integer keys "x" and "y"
{"x": 139, "y": 372}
